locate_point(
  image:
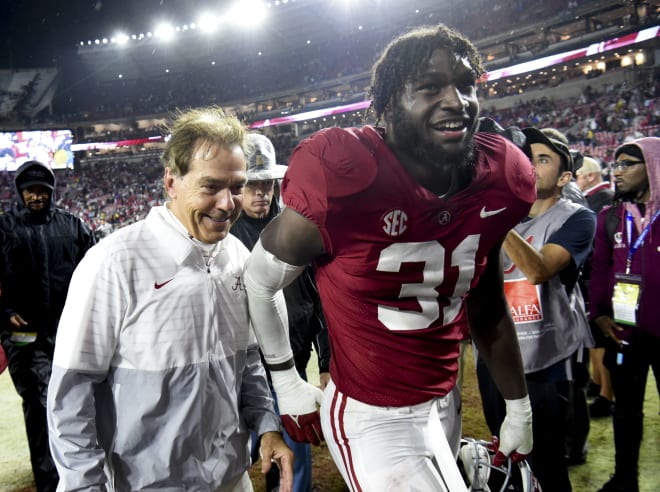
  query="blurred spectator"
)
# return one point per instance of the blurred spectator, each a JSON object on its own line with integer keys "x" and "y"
{"x": 41, "y": 246}
{"x": 599, "y": 194}
{"x": 624, "y": 292}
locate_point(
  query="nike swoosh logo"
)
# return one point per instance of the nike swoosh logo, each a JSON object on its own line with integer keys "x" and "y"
{"x": 158, "y": 286}
{"x": 485, "y": 214}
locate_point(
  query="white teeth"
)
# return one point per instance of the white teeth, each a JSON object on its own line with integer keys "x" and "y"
{"x": 451, "y": 125}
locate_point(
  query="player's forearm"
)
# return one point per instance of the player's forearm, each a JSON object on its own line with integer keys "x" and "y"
{"x": 265, "y": 276}
{"x": 526, "y": 257}
{"x": 501, "y": 353}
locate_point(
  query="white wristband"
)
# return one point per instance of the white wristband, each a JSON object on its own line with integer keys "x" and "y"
{"x": 520, "y": 408}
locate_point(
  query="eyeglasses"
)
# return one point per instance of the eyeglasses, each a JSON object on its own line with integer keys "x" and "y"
{"x": 623, "y": 165}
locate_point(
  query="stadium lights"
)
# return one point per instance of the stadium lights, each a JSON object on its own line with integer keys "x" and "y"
{"x": 247, "y": 13}
{"x": 121, "y": 38}
{"x": 592, "y": 49}
{"x": 244, "y": 12}
{"x": 208, "y": 22}
{"x": 164, "y": 32}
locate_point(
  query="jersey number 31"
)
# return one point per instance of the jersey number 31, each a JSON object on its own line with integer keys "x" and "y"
{"x": 432, "y": 254}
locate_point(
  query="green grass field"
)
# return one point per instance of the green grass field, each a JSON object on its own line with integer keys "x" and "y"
{"x": 16, "y": 475}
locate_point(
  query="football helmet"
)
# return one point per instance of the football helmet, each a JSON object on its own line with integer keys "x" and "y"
{"x": 475, "y": 462}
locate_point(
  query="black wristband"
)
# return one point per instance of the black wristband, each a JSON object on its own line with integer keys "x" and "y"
{"x": 282, "y": 366}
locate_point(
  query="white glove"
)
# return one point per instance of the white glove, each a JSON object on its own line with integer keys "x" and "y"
{"x": 516, "y": 437}
{"x": 298, "y": 402}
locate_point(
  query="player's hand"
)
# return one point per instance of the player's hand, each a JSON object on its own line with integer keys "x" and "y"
{"x": 273, "y": 449}
{"x": 298, "y": 402}
{"x": 324, "y": 379}
{"x": 515, "y": 433}
{"x": 16, "y": 321}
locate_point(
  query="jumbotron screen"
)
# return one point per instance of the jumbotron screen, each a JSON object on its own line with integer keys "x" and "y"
{"x": 51, "y": 147}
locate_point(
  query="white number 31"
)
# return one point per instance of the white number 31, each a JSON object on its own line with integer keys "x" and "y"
{"x": 432, "y": 254}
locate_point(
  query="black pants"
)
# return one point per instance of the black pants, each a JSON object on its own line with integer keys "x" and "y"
{"x": 629, "y": 384}
{"x": 549, "y": 400}
{"x": 30, "y": 367}
{"x": 577, "y": 414}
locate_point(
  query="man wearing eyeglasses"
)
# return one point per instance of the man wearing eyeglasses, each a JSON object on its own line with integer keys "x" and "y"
{"x": 624, "y": 291}
{"x": 543, "y": 257}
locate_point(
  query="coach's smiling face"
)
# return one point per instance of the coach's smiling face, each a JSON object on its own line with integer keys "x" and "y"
{"x": 208, "y": 199}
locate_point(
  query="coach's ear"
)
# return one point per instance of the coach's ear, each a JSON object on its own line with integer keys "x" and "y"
{"x": 168, "y": 183}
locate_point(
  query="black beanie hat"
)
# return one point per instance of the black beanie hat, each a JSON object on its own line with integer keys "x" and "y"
{"x": 34, "y": 172}
{"x": 630, "y": 149}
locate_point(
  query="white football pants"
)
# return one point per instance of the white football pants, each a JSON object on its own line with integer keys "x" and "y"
{"x": 393, "y": 449}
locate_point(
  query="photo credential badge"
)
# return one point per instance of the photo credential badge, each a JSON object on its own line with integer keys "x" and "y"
{"x": 625, "y": 298}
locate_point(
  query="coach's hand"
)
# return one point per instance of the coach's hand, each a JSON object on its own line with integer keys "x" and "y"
{"x": 516, "y": 432}
{"x": 298, "y": 402}
{"x": 273, "y": 449}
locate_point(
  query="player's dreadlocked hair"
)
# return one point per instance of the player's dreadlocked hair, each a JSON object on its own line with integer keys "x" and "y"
{"x": 406, "y": 56}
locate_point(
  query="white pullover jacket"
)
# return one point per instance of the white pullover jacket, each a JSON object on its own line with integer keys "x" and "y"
{"x": 157, "y": 379}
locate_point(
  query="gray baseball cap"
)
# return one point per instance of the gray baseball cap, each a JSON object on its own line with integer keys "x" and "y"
{"x": 261, "y": 162}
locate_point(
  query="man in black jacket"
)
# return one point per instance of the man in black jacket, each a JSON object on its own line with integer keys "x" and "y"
{"x": 306, "y": 323}
{"x": 41, "y": 246}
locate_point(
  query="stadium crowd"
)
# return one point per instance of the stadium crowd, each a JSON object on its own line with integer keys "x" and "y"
{"x": 242, "y": 81}
{"x": 119, "y": 191}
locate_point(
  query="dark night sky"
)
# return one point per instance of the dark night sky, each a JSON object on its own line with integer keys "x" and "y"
{"x": 39, "y": 33}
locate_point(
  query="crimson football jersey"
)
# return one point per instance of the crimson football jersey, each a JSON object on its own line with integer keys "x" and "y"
{"x": 400, "y": 260}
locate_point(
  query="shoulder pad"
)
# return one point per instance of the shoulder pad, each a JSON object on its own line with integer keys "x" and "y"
{"x": 346, "y": 156}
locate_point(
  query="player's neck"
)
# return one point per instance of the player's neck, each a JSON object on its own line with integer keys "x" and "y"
{"x": 442, "y": 180}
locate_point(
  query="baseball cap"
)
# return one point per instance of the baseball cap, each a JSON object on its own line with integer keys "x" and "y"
{"x": 589, "y": 165}
{"x": 261, "y": 163}
{"x": 32, "y": 173}
{"x": 534, "y": 135}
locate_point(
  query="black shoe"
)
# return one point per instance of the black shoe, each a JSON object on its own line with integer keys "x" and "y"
{"x": 601, "y": 407}
{"x": 616, "y": 484}
{"x": 593, "y": 389}
{"x": 576, "y": 459}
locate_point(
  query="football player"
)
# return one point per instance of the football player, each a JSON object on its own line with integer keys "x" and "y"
{"x": 403, "y": 223}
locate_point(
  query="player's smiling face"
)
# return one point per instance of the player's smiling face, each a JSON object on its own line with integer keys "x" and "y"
{"x": 435, "y": 114}
{"x": 209, "y": 198}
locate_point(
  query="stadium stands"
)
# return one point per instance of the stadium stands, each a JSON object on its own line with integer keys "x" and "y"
{"x": 598, "y": 106}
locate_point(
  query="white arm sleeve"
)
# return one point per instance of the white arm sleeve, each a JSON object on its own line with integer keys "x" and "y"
{"x": 265, "y": 276}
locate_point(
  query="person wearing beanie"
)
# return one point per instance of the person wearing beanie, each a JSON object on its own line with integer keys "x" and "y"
{"x": 307, "y": 326}
{"x": 41, "y": 245}
{"x": 624, "y": 292}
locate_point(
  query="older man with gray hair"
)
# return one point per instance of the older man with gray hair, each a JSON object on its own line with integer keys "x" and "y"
{"x": 157, "y": 381}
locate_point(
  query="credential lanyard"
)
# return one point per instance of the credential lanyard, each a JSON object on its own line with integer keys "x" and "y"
{"x": 640, "y": 239}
